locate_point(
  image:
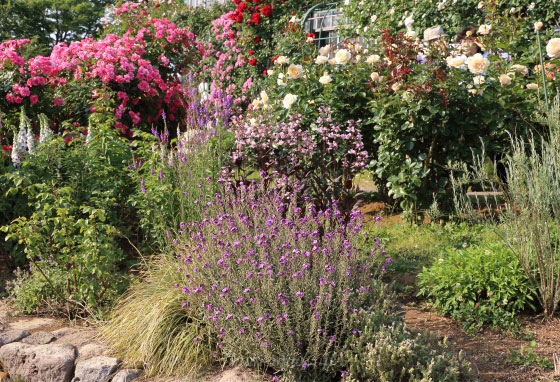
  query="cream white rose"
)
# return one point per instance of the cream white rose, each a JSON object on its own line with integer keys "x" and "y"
{"x": 325, "y": 79}
{"x": 373, "y": 59}
{"x": 479, "y": 80}
{"x": 478, "y": 64}
{"x": 264, "y": 98}
{"x": 553, "y": 48}
{"x": 295, "y": 71}
{"x": 289, "y": 100}
{"x": 411, "y": 34}
{"x": 538, "y": 26}
{"x": 505, "y": 80}
{"x": 374, "y": 76}
{"x": 342, "y": 57}
{"x": 522, "y": 69}
{"x": 531, "y": 6}
{"x": 532, "y": 86}
{"x": 282, "y": 60}
{"x": 396, "y": 86}
{"x": 321, "y": 60}
{"x": 325, "y": 50}
{"x": 256, "y": 103}
{"x": 484, "y": 29}
{"x": 456, "y": 62}
{"x": 270, "y": 72}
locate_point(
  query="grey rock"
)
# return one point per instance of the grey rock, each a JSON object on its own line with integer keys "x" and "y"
{"x": 39, "y": 338}
{"x": 12, "y": 336}
{"x": 90, "y": 350}
{"x": 39, "y": 363}
{"x": 96, "y": 369}
{"x": 63, "y": 332}
{"x": 127, "y": 375}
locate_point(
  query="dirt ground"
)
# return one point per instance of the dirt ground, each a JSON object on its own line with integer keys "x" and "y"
{"x": 488, "y": 351}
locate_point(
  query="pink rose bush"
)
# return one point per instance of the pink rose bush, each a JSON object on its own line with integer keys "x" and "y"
{"x": 140, "y": 70}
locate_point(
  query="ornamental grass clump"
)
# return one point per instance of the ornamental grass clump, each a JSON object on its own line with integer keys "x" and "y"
{"x": 282, "y": 285}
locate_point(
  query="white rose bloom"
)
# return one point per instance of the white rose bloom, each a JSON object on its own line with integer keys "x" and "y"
{"x": 484, "y": 29}
{"x": 325, "y": 50}
{"x": 522, "y": 69}
{"x": 325, "y": 79}
{"x": 478, "y": 64}
{"x": 295, "y": 71}
{"x": 270, "y": 72}
{"x": 289, "y": 100}
{"x": 456, "y": 62}
{"x": 281, "y": 60}
{"x": 481, "y": 5}
{"x": 408, "y": 22}
{"x": 531, "y": 6}
{"x": 373, "y": 59}
{"x": 479, "y": 80}
{"x": 532, "y": 86}
{"x": 342, "y": 57}
{"x": 512, "y": 10}
{"x": 505, "y": 80}
{"x": 264, "y": 98}
{"x": 553, "y": 48}
{"x": 332, "y": 61}
{"x": 374, "y": 76}
{"x": 373, "y": 18}
{"x": 396, "y": 86}
{"x": 256, "y": 103}
{"x": 411, "y": 34}
{"x": 321, "y": 60}
{"x": 538, "y": 26}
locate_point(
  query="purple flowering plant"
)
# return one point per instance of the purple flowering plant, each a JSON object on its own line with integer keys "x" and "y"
{"x": 322, "y": 157}
{"x": 174, "y": 173}
{"x": 280, "y": 284}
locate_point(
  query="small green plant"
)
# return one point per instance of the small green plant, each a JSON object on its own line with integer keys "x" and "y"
{"x": 527, "y": 356}
{"x": 395, "y": 354}
{"x": 478, "y": 286}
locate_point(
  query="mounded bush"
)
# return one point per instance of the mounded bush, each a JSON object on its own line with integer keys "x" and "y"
{"x": 479, "y": 286}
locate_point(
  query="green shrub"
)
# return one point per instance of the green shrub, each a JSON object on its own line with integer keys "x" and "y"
{"x": 479, "y": 286}
{"x": 395, "y": 354}
{"x": 78, "y": 219}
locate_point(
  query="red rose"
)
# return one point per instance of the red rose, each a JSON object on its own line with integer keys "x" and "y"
{"x": 251, "y": 52}
{"x": 310, "y": 35}
{"x": 253, "y": 62}
{"x": 274, "y": 59}
{"x": 266, "y": 10}
{"x": 236, "y": 2}
{"x": 157, "y": 5}
{"x": 257, "y": 39}
{"x": 256, "y": 18}
{"x": 239, "y": 17}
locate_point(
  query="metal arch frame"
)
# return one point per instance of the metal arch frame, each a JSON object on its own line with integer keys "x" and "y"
{"x": 330, "y": 9}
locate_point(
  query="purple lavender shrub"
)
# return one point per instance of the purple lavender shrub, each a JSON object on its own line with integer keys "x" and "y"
{"x": 282, "y": 284}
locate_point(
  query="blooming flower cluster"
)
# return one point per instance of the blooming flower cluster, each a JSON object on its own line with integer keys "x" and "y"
{"x": 324, "y": 160}
{"x": 142, "y": 67}
{"x": 276, "y": 283}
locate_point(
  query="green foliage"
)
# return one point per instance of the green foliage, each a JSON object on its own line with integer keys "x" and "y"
{"x": 172, "y": 179}
{"x": 527, "y": 357}
{"x": 368, "y": 18}
{"x": 76, "y": 218}
{"x": 479, "y": 286}
{"x": 531, "y": 213}
{"x": 395, "y": 354}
